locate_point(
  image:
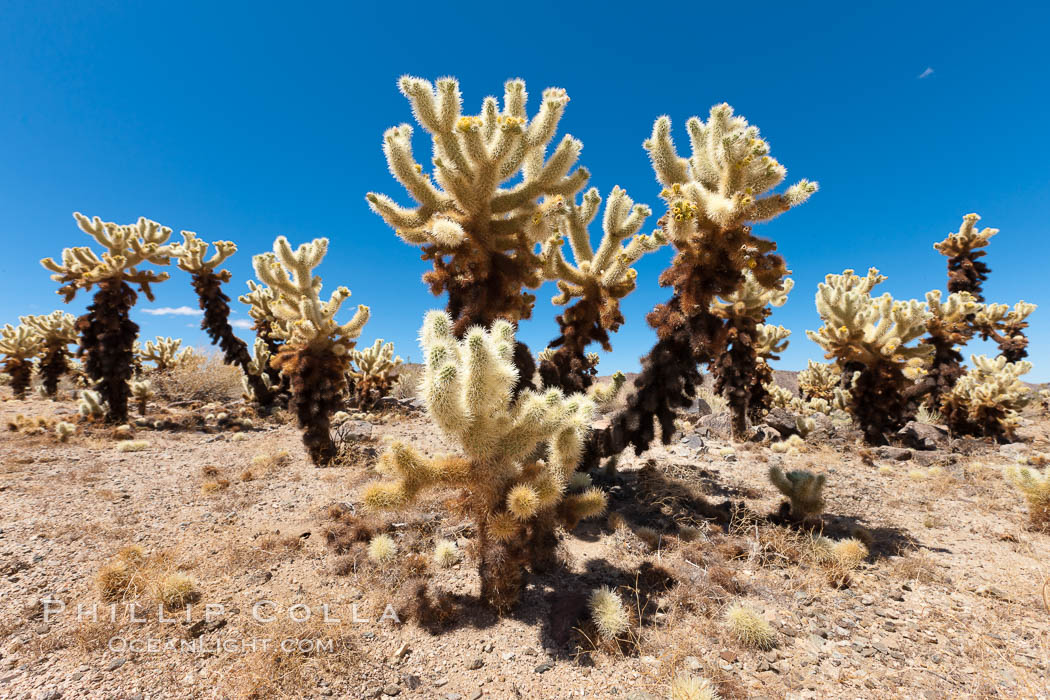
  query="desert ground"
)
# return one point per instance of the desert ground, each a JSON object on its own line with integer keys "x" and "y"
{"x": 176, "y": 558}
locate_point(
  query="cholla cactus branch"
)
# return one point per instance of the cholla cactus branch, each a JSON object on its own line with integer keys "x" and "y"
{"x": 818, "y": 381}
{"x": 712, "y": 199}
{"x": 142, "y": 392}
{"x": 950, "y": 324}
{"x": 518, "y": 453}
{"x": 19, "y": 345}
{"x": 165, "y": 353}
{"x": 804, "y": 490}
{"x": 966, "y": 272}
{"x": 260, "y": 300}
{"x": 58, "y": 331}
{"x": 316, "y": 349}
{"x": 192, "y": 256}
{"x": 598, "y": 280}
{"x": 1005, "y": 326}
{"x": 987, "y": 400}
{"x": 868, "y": 337}
{"x": 373, "y": 372}
{"x": 107, "y": 332}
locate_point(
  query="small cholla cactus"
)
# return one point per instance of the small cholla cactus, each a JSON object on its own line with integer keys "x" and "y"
{"x": 382, "y": 549}
{"x": 804, "y": 490}
{"x": 987, "y": 400}
{"x": 597, "y": 279}
{"x": 191, "y": 256}
{"x": 692, "y": 688}
{"x": 90, "y": 405}
{"x": 1005, "y": 326}
{"x": 142, "y": 392}
{"x": 868, "y": 337}
{"x": 966, "y": 272}
{"x": 64, "y": 431}
{"x": 604, "y": 394}
{"x": 487, "y": 200}
{"x": 446, "y": 554}
{"x": 1035, "y": 486}
{"x": 949, "y": 324}
{"x": 372, "y": 373}
{"x": 19, "y": 346}
{"x": 749, "y": 628}
{"x": 107, "y": 333}
{"x": 819, "y": 381}
{"x": 58, "y": 331}
{"x": 609, "y": 614}
{"x": 743, "y": 370}
{"x": 164, "y": 353}
{"x": 315, "y": 353}
{"x": 518, "y": 454}
{"x": 713, "y": 200}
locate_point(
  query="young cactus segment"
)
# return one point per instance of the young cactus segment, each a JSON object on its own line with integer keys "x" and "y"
{"x": 90, "y": 405}
{"x": 949, "y": 325}
{"x": 142, "y": 392}
{"x": 518, "y": 453}
{"x": 819, "y": 381}
{"x": 315, "y": 353}
{"x": 165, "y": 353}
{"x": 743, "y": 370}
{"x": 373, "y": 372}
{"x": 598, "y": 280}
{"x": 192, "y": 257}
{"x": 58, "y": 331}
{"x": 479, "y": 230}
{"x": 19, "y": 345}
{"x": 260, "y": 300}
{"x": 966, "y": 272}
{"x": 713, "y": 199}
{"x": 987, "y": 400}
{"x": 107, "y": 333}
{"x": 257, "y": 372}
{"x": 868, "y": 337}
{"x": 803, "y": 489}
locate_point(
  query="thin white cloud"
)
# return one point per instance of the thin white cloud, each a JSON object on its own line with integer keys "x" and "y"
{"x": 173, "y": 311}
{"x": 926, "y": 73}
{"x": 242, "y": 323}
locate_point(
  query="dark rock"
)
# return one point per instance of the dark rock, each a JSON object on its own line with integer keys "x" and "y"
{"x": 718, "y": 423}
{"x": 115, "y": 664}
{"x": 898, "y": 454}
{"x": 923, "y": 436}
{"x": 544, "y": 667}
{"x": 259, "y": 578}
{"x": 693, "y": 442}
{"x": 204, "y": 626}
{"x": 783, "y": 421}
{"x": 699, "y": 408}
{"x": 765, "y": 433}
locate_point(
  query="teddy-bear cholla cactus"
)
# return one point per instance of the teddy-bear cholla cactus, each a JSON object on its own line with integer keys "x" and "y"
{"x": 372, "y": 373}
{"x": 597, "y": 280}
{"x": 966, "y": 272}
{"x": 107, "y": 333}
{"x": 819, "y": 381}
{"x": 868, "y": 338}
{"x": 58, "y": 331}
{"x": 192, "y": 256}
{"x": 315, "y": 353}
{"x": 19, "y": 345}
{"x": 260, "y": 300}
{"x": 258, "y": 371}
{"x": 949, "y": 325}
{"x": 986, "y": 401}
{"x": 741, "y": 372}
{"x": 804, "y": 490}
{"x": 518, "y": 454}
{"x": 1005, "y": 326}
{"x": 484, "y": 205}
{"x": 142, "y": 392}
{"x": 713, "y": 199}
{"x": 164, "y": 353}
{"x": 1035, "y": 486}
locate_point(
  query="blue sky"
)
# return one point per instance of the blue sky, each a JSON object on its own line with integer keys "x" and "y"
{"x": 244, "y": 122}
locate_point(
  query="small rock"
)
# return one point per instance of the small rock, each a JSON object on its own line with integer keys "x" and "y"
{"x": 544, "y": 667}
{"x": 477, "y": 694}
{"x": 898, "y": 454}
{"x": 391, "y": 690}
{"x": 923, "y": 436}
{"x": 115, "y": 664}
{"x": 475, "y": 664}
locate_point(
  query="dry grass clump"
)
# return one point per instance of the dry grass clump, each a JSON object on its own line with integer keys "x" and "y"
{"x": 1034, "y": 485}
{"x": 917, "y": 567}
{"x": 275, "y": 543}
{"x": 213, "y": 486}
{"x": 749, "y": 628}
{"x": 176, "y": 590}
{"x": 132, "y": 445}
{"x": 133, "y": 573}
{"x": 203, "y": 377}
{"x": 265, "y": 462}
{"x": 692, "y": 688}
{"x": 406, "y": 386}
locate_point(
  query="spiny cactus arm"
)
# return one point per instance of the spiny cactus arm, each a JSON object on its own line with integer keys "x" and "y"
{"x": 410, "y": 473}
{"x": 967, "y": 239}
{"x": 751, "y": 299}
{"x": 771, "y": 340}
{"x": 163, "y": 351}
{"x": 819, "y": 380}
{"x": 192, "y": 251}
{"x": 726, "y": 177}
{"x": 56, "y": 326}
{"x": 603, "y": 394}
{"x": 20, "y": 342}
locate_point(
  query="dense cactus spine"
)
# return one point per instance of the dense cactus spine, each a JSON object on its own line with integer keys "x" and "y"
{"x": 949, "y": 325}
{"x": 987, "y": 400}
{"x": 966, "y": 271}
{"x": 207, "y": 282}
{"x": 596, "y": 279}
{"x": 519, "y": 454}
{"x": 107, "y": 333}
{"x": 315, "y": 352}
{"x": 58, "y": 332}
{"x": 713, "y": 199}
{"x": 372, "y": 373}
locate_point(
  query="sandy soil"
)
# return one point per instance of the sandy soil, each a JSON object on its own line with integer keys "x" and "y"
{"x": 948, "y": 604}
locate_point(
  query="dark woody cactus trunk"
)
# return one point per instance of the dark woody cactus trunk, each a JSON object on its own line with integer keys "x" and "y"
{"x": 736, "y": 371}
{"x": 20, "y": 371}
{"x": 53, "y": 364}
{"x": 581, "y": 324}
{"x": 318, "y": 382}
{"x": 107, "y": 338}
{"x": 216, "y": 324}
